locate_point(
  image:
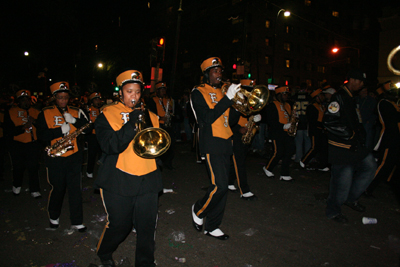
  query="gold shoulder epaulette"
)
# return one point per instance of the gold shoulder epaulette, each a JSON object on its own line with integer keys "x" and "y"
{"x": 108, "y": 105}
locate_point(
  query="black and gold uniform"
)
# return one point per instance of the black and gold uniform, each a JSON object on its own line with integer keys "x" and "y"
{"x": 64, "y": 172}
{"x": 94, "y": 150}
{"x": 19, "y": 124}
{"x": 164, "y": 106}
{"x": 211, "y": 109}
{"x": 388, "y": 145}
{"x": 129, "y": 184}
{"x": 278, "y": 119}
{"x": 240, "y": 150}
{"x": 319, "y": 140}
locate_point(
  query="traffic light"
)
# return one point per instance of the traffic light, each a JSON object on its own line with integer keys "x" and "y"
{"x": 160, "y": 42}
{"x": 234, "y": 66}
{"x": 160, "y": 50}
{"x": 249, "y": 75}
{"x": 116, "y": 89}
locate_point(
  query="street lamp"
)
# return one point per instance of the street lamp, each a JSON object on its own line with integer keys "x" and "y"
{"x": 336, "y": 49}
{"x": 26, "y": 53}
{"x": 286, "y": 14}
{"x": 100, "y": 65}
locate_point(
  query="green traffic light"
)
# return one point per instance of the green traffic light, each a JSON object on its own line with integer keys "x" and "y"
{"x": 249, "y": 75}
{"x": 116, "y": 88}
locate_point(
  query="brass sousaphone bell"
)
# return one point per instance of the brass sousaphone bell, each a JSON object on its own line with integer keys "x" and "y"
{"x": 251, "y": 102}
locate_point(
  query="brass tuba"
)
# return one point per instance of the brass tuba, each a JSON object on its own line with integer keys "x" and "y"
{"x": 389, "y": 60}
{"x": 150, "y": 142}
{"x": 251, "y": 102}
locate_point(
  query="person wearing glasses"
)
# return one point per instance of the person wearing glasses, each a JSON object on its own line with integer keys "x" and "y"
{"x": 64, "y": 172}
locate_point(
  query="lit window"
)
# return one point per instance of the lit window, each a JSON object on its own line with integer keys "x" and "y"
{"x": 309, "y": 82}
{"x": 266, "y": 60}
{"x": 235, "y": 41}
{"x": 321, "y": 69}
{"x": 287, "y": 63}
{"x": 266, "y": 41}
{"x": 267, "y": 24}
{"x": 335, "y": 13}
{"x": 286, "y": 46}
{"x": 288, "y": 29}
{"x": 307, "y": 2}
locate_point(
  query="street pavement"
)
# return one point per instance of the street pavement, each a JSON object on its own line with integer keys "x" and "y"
{"x": 286, "y": 226}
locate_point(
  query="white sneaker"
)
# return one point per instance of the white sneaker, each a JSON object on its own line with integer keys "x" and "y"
{"x": 36, "y": 194}
{"x": 248, "y": 194}
{"x": 16, "y": 190}
{"x": 324, "y": 169}
{"x": 89, "y": 175}
{"x": 232, "y": 187}
{"x": 302, "y": 164}
{"x": 285, "y": 178}
{"x": 81, "y": 228}
{"x": 268, "y": 173}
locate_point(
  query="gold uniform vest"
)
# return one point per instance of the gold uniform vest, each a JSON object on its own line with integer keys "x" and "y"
{"x": 19, "y": 117}
{"x": 93, "y": 113}
{"x": 159, "y": 103}
{"x": 117, "y": 116}
{"x": 55, "y": 119}
{"x": 220, "y": 127}
{"x": 243, "y": 121}
{"x": 321, "y": 111}
{"x": 284, "y": 112}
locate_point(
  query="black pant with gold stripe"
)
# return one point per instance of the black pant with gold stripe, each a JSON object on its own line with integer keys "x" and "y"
{"x": 64, "y": 174}
{"x": 212, "y": 205}
{"x": 238, "y": 164}
{"x": 125, "y": 212}
{"x": 387, "y": 164}
{"x": 284, "y": 148}
{"x": 318, "y": 150}
{"x": 25, "y": 156}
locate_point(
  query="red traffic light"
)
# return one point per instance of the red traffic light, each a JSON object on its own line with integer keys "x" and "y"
{"x": 234, "y": 66}
{"x": 335, "y": 50}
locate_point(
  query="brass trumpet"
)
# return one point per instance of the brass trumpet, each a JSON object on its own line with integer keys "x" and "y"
{"x": 149, "y": 142}
{"x": 249, "y": 102}
{"x": 389, "y": 61}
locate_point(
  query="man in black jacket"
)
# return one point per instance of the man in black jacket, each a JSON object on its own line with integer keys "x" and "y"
{"x": 353, "y": 166}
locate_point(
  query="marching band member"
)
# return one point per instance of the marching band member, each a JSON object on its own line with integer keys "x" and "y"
{"x": 164, "y": 106}
{"x": 64, "y": 172}
{"x": 388, "y": 145}
{"x": 240, "y": 150}
{"x": 94, "y": 150}
{"x": 211, "y": 109}
{"x": 278, "y": 118}
{"x": 129, "y": 184}
{"x": 319, "y": 140}
{"x": 19, "y": 124}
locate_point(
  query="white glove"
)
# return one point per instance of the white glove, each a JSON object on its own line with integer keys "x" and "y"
{"x": 232, "y": 90}
{"x": 257, "y": 118}
{"x": 69, "y": 118}
{"x": 286, "y": 126}
{"x": 65, "y": 128}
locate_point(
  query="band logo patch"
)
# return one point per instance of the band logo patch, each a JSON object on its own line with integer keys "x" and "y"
{"x": 333, "y": 107}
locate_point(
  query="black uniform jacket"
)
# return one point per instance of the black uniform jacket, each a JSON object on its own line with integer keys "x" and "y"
{"x": 346, "y": 134}
{"x": 205, "y": 116}
{"x": 389, "y": 117}
{"x": 113, "y": 143}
